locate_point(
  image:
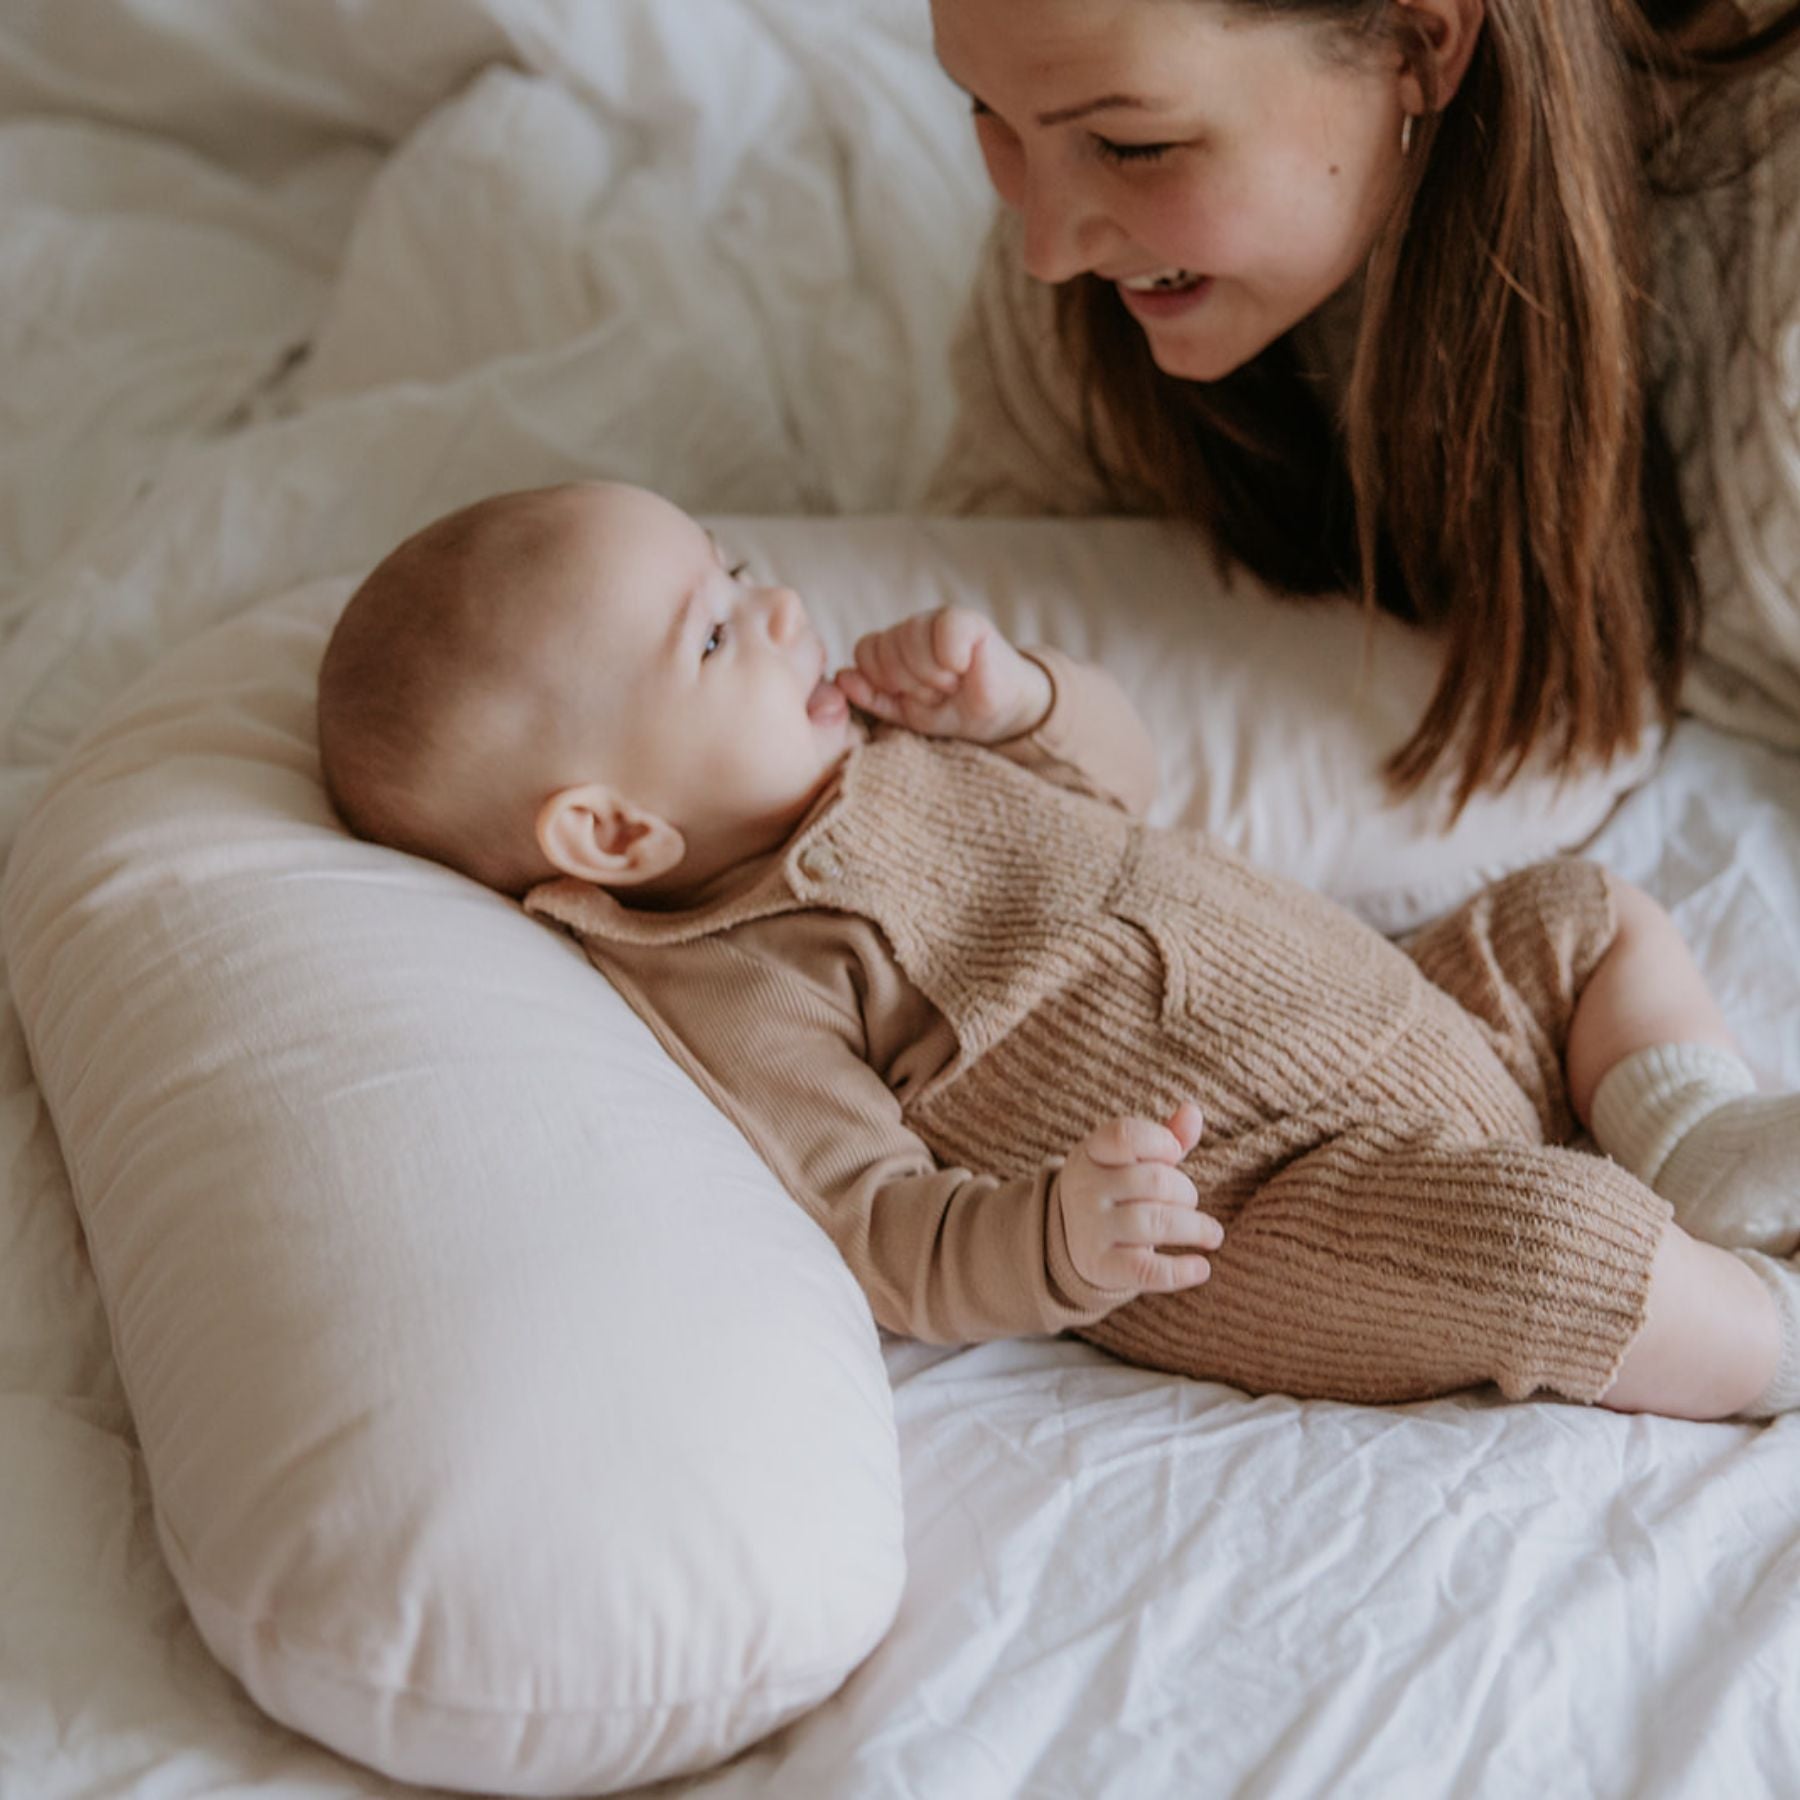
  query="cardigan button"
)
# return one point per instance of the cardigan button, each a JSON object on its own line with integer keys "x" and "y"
{"x": 821, "y": 862}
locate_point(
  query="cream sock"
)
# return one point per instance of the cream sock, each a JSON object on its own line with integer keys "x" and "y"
{"x": 1783, "y": 1282}
{"x": 1687, "y": 1120}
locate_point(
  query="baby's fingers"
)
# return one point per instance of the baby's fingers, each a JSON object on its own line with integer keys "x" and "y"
{"x": 879, "y": 662}
{"x": 1121, "y": 1142}
{"x": 1151, "y": 1225}
{"x": 956, "y": 635}
{"x": 1187, "y": 1122}
{"x": 1156, "y": 1183}
{"x": 856, "y": 687}
{"x": 928, "y": 654}
{"x": 1171, "y": 1274}
{"x": 1151, "y": 1272}
{"x": 900, "y": 661}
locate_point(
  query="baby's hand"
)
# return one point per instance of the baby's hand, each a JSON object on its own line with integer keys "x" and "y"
{"x": 947, "y": 673}
{"x": 1122, "y": 1196}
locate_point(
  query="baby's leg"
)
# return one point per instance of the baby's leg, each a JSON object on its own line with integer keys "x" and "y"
{"x": 1403, "y": 1259}
{"x": 1716, "y": 1340}
{"x": 1394, "y": 1263}
{"x": 1645, "y": 991}
{"x": 1653, "y": 1071}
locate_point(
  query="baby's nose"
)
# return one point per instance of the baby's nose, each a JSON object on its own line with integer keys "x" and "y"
{"x": 787, "y": 617}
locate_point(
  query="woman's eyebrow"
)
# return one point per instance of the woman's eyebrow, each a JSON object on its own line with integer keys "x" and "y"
{"x": 1106, "y": 103}
{"x": 1062, "y": 115}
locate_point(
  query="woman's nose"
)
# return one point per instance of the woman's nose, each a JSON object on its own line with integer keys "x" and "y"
{"x": 1064, "y": 230}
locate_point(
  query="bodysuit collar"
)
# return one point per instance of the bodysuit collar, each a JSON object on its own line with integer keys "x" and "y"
{"x": 782, "y": 880}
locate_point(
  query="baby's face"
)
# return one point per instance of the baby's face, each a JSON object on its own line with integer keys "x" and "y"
{"x": 712, "y": 699}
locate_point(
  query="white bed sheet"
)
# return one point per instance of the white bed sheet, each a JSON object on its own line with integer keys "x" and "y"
{"x": 1120, "y": 1585}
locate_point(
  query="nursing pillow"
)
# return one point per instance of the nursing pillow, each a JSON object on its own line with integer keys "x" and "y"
{"x": 506, "y": 1427}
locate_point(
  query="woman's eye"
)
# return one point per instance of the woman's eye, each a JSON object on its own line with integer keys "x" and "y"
{"x": 1130, "y": 153}
{"x": 714, "y": 640}
{"x": 1108, "y": 149}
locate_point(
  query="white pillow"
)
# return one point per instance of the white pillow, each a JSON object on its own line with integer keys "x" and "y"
{"x": 507, "y": 1427}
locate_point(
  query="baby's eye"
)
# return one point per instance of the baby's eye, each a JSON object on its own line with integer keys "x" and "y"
{"x": 714, "y": 639}
{"x": 737, "y": 571}
{"x": 1130, "y": 153}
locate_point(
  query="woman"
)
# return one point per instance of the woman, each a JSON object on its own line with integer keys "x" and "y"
{"x": 1487, "y": 309}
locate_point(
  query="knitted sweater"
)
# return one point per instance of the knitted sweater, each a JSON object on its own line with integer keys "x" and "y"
{"x": 1725, "y": 358}
{"x": 964, "y": 960}
{"x": 792, "y": 1010}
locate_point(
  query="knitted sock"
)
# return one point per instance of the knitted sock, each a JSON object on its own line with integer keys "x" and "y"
{"x": 1783, "y": 1282}
{"x": 1687, "y": 1120}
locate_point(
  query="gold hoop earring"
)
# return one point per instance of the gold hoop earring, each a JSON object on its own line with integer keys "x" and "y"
{"x": 1406, "y": 135}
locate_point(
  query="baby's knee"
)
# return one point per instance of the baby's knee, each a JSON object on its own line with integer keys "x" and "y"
{"x": 1638, "y": 917}
{"x": 1643, "y": 936}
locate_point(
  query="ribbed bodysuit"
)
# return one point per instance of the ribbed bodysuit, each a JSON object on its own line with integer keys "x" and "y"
{"x": 958, "y": 965}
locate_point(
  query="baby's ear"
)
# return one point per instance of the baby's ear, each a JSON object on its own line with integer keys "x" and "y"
{"x": 596, "y": 835}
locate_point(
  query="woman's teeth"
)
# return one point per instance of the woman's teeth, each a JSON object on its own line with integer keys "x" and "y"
{"x": 1162, "y": 282}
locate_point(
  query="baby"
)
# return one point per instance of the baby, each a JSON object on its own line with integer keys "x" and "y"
{"x": 1035, "y": 1065}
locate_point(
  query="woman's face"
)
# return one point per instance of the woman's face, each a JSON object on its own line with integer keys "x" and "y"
{"x": 1241, "y": 162}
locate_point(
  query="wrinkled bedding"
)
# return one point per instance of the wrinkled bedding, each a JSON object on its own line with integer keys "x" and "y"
{"x": 282, "y": 278}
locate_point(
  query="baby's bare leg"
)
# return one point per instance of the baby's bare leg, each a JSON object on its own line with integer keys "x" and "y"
{"x": 1712, "y": 1341}
{"x": 1653, "y": 1072}
{"x": 1646, "y": 991}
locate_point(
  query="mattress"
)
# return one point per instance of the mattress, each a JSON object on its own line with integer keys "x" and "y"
{"x": 274, "y": 270}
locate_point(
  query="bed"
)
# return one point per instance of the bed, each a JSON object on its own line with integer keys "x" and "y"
{"x": 282, "y": 279}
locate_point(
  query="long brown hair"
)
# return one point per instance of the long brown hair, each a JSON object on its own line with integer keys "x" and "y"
{"x": 1501, "y": 474}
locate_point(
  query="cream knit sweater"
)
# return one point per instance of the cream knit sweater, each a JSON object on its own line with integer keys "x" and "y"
{"x": 1725, "y": 352}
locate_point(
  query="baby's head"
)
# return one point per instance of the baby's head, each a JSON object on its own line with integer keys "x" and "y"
{"x": 570, "y": 681}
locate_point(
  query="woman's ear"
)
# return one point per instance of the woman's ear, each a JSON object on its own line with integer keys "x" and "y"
{"x": 598, "y": 836}
{"x": 1451, "y": 30}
